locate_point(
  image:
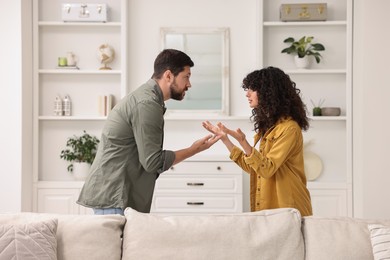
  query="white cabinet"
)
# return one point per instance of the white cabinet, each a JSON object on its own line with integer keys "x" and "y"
{"x": 330, "y": 80}
{"x": 59, "y": 198}
{"x": 199, "y": 187}
{"x": 60, "y": 201}
{"x": 329, "y": 200}
{"x": 53, "y": 38}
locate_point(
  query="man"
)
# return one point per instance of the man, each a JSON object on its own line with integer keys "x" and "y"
{"x": 130, "y": 155}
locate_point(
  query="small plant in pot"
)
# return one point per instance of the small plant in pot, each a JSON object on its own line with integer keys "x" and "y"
{"x": 317, "y": 109}
{"x": 80, "y": 149}
{"x": 303, "y": 48}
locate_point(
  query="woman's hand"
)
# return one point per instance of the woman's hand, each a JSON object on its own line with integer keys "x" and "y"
{"x": 238, "y": 134}
{"x": 220, "y": 130}
{"x": 217, "y": 131}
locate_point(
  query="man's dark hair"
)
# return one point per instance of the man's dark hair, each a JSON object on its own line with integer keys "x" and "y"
{"x": 173, "y": 60}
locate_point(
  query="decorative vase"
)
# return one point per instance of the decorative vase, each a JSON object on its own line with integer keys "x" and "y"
{"x": 81, "y": 170}
{"x": 71, "y": 58}
{"x": 302, "y": 63}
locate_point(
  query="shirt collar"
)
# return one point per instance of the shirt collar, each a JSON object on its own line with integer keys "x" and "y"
{"x": 159, "y": 93}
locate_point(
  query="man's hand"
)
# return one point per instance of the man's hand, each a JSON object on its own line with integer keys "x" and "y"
{"x": 197, "y": 147}
{"x": 204, "y": 143}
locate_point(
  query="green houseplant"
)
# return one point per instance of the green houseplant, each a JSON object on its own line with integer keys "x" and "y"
{"x": 304, "y": 47}
{"x": 80, "y": 149}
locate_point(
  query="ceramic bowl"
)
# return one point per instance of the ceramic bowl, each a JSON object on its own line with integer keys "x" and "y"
{"x": 330, "y": 111}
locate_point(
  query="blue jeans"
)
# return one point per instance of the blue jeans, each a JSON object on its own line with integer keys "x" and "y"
{"x": 108, "y": 211}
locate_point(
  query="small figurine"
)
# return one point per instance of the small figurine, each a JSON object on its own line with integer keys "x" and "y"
{"x": 106, "y": 54}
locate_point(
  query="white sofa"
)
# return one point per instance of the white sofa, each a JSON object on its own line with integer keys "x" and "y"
{"x": 268, "y": 234}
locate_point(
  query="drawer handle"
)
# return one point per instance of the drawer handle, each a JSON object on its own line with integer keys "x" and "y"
{"x": 195, "y": 203}
{"x": 195, "y": 184}
{"x": 219, "y": 168}
{"x": 172, "y": 168}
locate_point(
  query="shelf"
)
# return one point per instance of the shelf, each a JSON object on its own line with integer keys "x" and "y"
{"x": 315, "y": 71}
{"x": 72, "y": 118}
{"x": 183, "y": 117}
{"x": 75, "y": 71}
{"x": 328, "y": 118}
{"x": 305, "y": 23}
{"x": 78, "y": 24}
{"x": 330, "y": 80}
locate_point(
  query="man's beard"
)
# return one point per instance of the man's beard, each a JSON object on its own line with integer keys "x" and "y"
{"x": 175, "y": 93}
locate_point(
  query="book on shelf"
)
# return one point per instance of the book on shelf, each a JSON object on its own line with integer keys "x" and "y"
{"x": 105, "y": 104}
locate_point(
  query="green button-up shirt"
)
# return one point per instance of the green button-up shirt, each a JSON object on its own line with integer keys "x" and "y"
{"x": 130, "y": 155}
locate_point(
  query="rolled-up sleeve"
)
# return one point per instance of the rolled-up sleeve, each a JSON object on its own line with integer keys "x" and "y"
{"x": 169, "y": 158}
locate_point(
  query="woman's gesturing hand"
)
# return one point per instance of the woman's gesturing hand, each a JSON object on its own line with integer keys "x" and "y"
{"x": 238, "y": 134}
{"x": 217, "y": 131}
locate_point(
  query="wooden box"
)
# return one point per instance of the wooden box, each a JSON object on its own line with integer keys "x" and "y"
{"x": 303, "y": 12}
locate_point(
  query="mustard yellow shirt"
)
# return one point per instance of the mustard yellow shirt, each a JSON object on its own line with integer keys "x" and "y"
{"x": 277, "y": 176}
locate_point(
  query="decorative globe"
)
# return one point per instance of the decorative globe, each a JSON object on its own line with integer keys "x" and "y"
{"x": 106, "y": 55}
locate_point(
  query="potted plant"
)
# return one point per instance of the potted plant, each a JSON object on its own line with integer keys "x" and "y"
{"x": 80, "y": 150}
{"x": 303, "y": 48}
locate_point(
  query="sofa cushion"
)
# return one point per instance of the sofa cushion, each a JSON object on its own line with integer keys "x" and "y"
{"x": 267, "y": 234}
{"x": 380, "y": 241}
{"x": 91, "y": 237}
{"x": 29, "y": 241}
{"x": 337, "y": 238}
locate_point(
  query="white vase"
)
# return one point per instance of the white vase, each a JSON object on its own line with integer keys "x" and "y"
{"x": 71, "y": 58}
{"x": 302, "y": 63}
{"x": 81, "y": 170}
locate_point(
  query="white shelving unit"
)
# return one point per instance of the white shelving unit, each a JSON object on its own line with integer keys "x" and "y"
{"x": 55, "y": 190}
{"x": 331, "y": 79}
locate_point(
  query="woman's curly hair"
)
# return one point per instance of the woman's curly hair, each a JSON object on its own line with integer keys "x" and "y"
{"x": 278, "y": 98}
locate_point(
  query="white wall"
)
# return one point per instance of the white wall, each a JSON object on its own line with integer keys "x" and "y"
{"x": 10, "y": 105}
{"x": 371, "y": 107}
{"x": 15, "y": 107}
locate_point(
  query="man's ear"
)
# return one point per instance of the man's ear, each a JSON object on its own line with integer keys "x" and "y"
{"x": 168, "y": 76}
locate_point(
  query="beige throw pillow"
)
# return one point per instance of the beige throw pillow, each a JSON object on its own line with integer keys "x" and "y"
{"x": 30, "y": 241}
{"x": 268, "y": 234}
{"x": 380, "y": 241}
{"x": 80, "y": 237}
{"x": 338, "y": 238}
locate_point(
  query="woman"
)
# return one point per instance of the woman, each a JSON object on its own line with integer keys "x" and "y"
{"x": 277, "y": 177}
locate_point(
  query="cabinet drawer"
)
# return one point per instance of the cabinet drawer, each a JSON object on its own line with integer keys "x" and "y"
{"x": 204, "y": 168}
{"x": 196, "y": 204}
{"x": 200, "y": 183}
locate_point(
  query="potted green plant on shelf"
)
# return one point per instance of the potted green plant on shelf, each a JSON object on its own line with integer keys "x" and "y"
{"x": 80, "y": 152}
{"x": 302, "y": 49}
